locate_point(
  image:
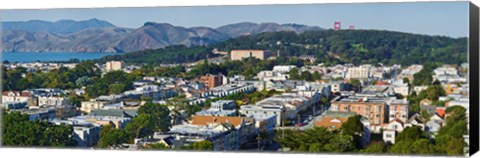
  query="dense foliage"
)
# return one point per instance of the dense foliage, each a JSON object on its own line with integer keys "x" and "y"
{"x": 151, "y": 118}
{"x": 331, "y": 47}
{"x": 168, "y": 55}
{"x": 64, "y": 78}
{"x": 357, "y": 46}
{"x": 19, "y": 131}
{"x": 432, "y": 93}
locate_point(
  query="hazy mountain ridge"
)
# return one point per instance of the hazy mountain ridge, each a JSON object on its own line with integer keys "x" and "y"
{"x": 106, "y": 37}
{"x": 57, "y": 27}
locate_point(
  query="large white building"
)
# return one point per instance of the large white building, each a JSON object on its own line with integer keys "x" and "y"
{"x": 284, "y": 106}
{"x": 283, "y": 68}
{"x": 361, "y": 72}
{"x": 114, "y": 66}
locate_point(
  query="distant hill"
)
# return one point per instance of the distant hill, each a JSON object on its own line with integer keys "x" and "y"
{"x": 99, "y": 36}
{"x": 248, "y": 28}
{"x": 328, "y": 46}
{"x": 58, "y": 27}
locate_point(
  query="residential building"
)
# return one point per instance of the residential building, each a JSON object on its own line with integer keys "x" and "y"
{"x": 361, "y": 72}
{"x": 114, "y": 66}
{"x": 373, "y": 109}
{"x": 283, "y": 68}
{"x": 272, "y": 76}
{"x": 398, "y": 109}
{"x": 409, "y": 72}
{"x": 212, "y": 81}
{"x": 220, "y": 108}
{"x": 389, "y": 136}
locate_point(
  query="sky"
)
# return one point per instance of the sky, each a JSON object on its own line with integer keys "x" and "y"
{"x": 431, "y": 18}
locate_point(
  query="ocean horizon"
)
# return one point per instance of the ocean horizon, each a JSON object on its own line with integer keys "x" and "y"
{"x": 24, "y": 57}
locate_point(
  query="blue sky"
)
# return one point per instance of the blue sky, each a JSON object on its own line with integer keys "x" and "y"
{"x": 432, "y": 18}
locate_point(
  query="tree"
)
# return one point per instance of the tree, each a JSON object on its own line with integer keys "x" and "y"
{"x": 356, "y": 85}
{"x": 294, "y": 74}
{"x": 18, "y": 130}
{"x": 112, "y": 137}
{"x": 157, "y": 146}
{"x": 316, "y": 76}
{"x": 203, "y": 145}
{"x": 410, "y": 134}
{"x": 375, "y": 147}
{"x": 159, "y": 116}
{"x": 353, "y": 126}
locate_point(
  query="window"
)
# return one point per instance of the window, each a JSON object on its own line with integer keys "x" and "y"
{"x": 395, "y": 126}
{"x": 377, "y": 115}
{"x": 392, "y": 115}
{"x": 345, "y": 108}
{"x": 389, "y": 136}
{"x": 265, "y": 112}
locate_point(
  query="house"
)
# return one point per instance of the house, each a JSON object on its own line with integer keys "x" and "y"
{"x": 434, "y": 124}
{"x": 395, "y": 125}
{"x": 244, "y": 126}
{"x": 265, "y": 123}
{"x": 331, "y": 123}
{"x": 440, "y": 111}
{"x": 333, "y": 119}
{"x": 415, "y": 120}
{"x": 86, "y": 135}
{"x": 389, "y": 136}
{"x": 15, "y": 96}
{"x": 430, "y": 109}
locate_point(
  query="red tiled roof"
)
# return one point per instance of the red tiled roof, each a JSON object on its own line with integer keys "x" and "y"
{"x": 440, "y": 111}
{"x": 331, "y": 123}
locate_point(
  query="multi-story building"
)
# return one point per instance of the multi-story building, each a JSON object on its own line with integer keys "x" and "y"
{"x": 240, "y": 54}
{"x": 15, "y": 96}
{"x": 398, "y": 109}
{"x": 284, "y": 106}
{"x": 409, "y": 72}
{"x": 53, "y": 101}
{"x": 283, "y": 68}
{"x": 211, "y": 81}
{"x": 361, "y": 72}
{"x": 38, "y": 113}
{"x": 220, "y": 108}
{"x": 372, "y": 108}
{"x": 226, "y": 133}
{"x": 114, "y": 66}
{"x": 272, "y": 75}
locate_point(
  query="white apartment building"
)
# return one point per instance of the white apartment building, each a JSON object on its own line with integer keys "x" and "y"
{"x": 114, "y": 66}
{"x": 361, "y": 72}
{"x": 283, "y": 68}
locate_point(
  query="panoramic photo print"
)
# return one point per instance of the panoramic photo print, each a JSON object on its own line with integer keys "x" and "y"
{"x": 365, "y": 78}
